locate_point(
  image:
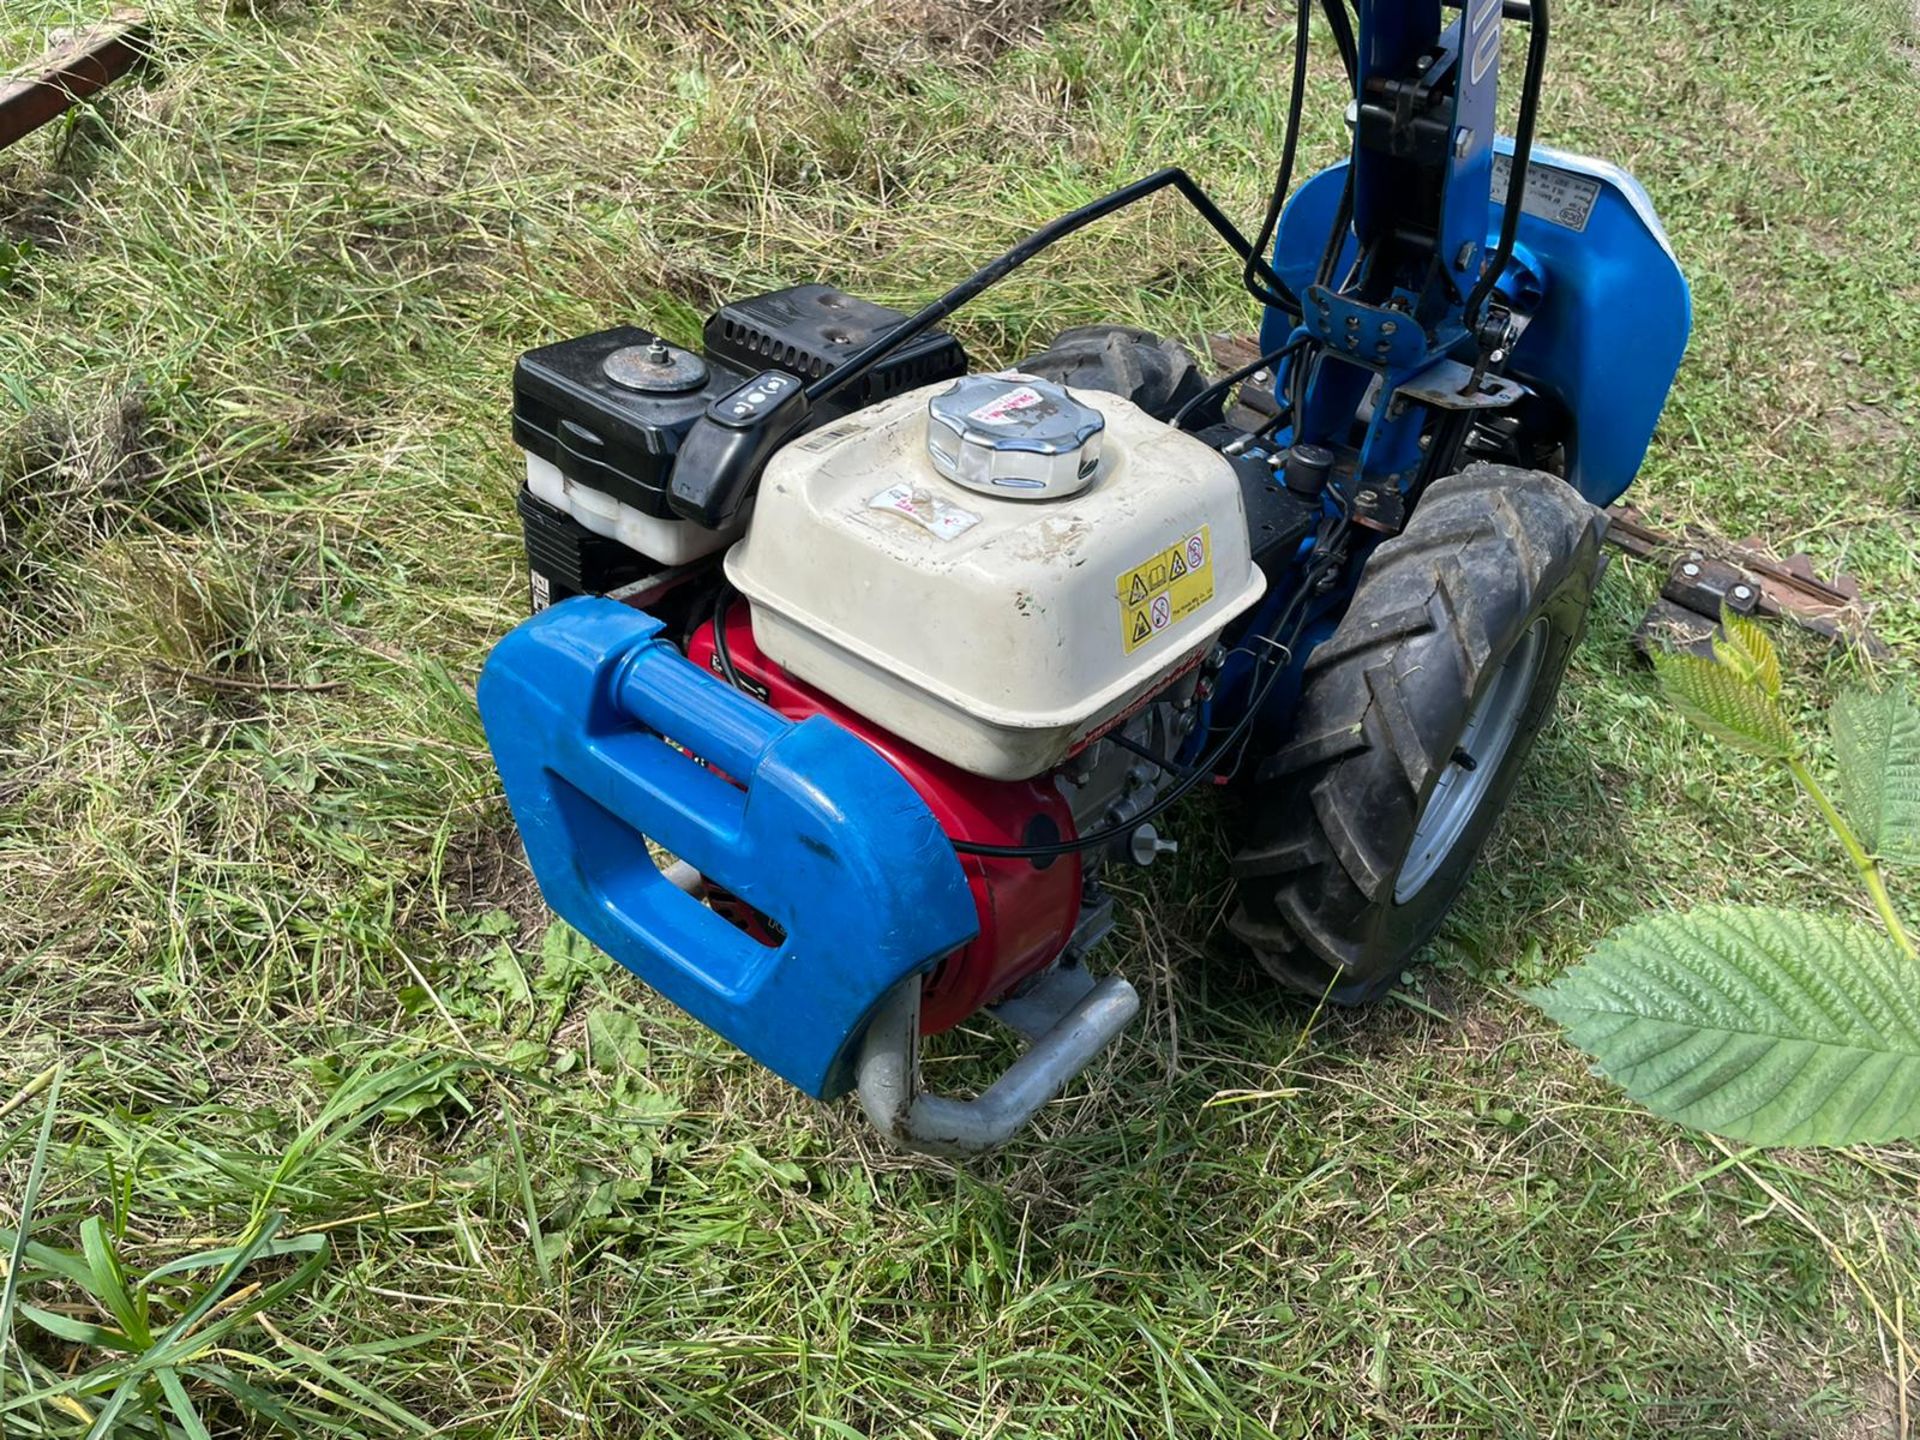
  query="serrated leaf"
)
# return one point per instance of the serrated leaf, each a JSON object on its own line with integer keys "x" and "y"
{"x": 1876, "y": 740}
{"x": 504, "y": 976}
{"x": 493, "y": 922}
{"x": 1726, "y": 706}
{"x": 1744, "y": 647}
{"x": 1771, "y": 1027}
{"x": 525, "y": 1056}
{"x": 614, "y": 1040}
{"x": 567, "y": 959}
{"x": 564, "y": 948}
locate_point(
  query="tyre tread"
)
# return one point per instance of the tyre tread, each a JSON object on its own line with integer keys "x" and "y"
{"x": 1335, "y": 809}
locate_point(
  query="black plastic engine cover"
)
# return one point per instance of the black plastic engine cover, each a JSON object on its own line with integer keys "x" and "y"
{"x": 600, "y": 434}
{"x": 623, "y": 441}
{"x": 806, "y": 330}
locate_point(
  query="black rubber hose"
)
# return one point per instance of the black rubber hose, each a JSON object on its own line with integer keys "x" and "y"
{"x": 1530, "y": 88}
{"x": 1283, "y": 298}
{"x": 863, "y": 360}
{"x": 1337, "y": 233}
{"x": 1228, "y": 381}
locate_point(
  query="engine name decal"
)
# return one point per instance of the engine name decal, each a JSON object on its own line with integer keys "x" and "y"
{"x": 1159, "y": 594}
{"x": 941, "y": 519}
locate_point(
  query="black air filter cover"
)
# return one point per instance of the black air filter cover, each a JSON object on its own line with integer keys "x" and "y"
{"x": 808, "y": 329}
{"x": 609, "y": 437}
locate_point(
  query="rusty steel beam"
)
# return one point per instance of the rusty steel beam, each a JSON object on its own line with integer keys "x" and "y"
{"x": 69, "y": 72}
{"x": 1789, "y": 588}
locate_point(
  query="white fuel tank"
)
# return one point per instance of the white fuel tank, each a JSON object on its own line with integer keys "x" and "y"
{"x": 994, "y": 632}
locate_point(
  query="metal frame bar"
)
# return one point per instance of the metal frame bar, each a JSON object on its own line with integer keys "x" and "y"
{"x": 71, "y": 71}
{"x": 887, "y": 1074}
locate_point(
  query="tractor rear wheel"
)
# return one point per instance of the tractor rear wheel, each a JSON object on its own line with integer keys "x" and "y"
{"x": 1157, "y": 375}
{"x": 1416, "y": 716}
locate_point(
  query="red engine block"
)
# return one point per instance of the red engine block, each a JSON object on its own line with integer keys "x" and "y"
{"x": 1027, "y": 908}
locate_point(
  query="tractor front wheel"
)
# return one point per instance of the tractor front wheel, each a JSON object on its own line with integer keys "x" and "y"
{"x": 1416, "y": 716}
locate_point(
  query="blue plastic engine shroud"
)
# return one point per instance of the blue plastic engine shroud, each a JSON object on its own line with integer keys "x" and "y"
{"x": 583, "y": 705}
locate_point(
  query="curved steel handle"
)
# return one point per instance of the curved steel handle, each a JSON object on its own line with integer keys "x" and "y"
{"x": 887, "y": 1074}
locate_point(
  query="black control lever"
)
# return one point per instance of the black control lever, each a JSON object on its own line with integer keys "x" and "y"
{"x": 719, "y": 463}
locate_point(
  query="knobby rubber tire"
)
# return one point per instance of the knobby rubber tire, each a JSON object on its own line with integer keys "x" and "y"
{"x": 1158, "y": 375}
{"x": 1332, "y": 815}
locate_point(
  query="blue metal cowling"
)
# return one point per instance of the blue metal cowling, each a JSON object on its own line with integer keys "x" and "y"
{"x": 1607, "y": 334}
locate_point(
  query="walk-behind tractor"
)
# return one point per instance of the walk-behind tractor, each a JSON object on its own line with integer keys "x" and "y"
{"x": 855, "y": 671}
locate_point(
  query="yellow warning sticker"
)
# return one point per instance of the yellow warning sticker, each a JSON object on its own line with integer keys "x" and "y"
{"x": 1159, "y": 594}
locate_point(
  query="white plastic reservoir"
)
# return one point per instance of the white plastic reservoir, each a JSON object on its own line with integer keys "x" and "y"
{"x": 993, "y": 632}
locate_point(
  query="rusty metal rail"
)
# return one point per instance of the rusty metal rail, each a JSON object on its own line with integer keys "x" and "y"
{"x": 1789, "y": 588}
{"x": 69, "y": 72}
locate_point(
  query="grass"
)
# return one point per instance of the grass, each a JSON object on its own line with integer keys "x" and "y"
{"x": 261, "y": 904}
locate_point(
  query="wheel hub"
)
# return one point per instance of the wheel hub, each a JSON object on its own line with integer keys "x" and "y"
{"x": 1464, "y": 784}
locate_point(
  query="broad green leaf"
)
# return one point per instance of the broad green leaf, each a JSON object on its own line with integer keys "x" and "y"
{"x": 1767, "y": 1026}
{"x": 567, "y": 959}
{"x": 504, "y": 976}
{"x": 1724, "y": 705}
{"x": 564, "y": 950}
{"x": 1876, "y": 739}
{"x": 614, "y": 1039}
{"x": 493, "y": 922}
{"x": 1744, "y": 647}
{"x": 525, "y": 1057}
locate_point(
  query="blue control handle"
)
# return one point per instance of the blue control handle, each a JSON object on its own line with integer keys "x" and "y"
{"x": 595, "y": 721}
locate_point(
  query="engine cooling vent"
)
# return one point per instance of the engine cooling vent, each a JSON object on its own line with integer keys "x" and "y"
{"x": 808, "y": 329}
